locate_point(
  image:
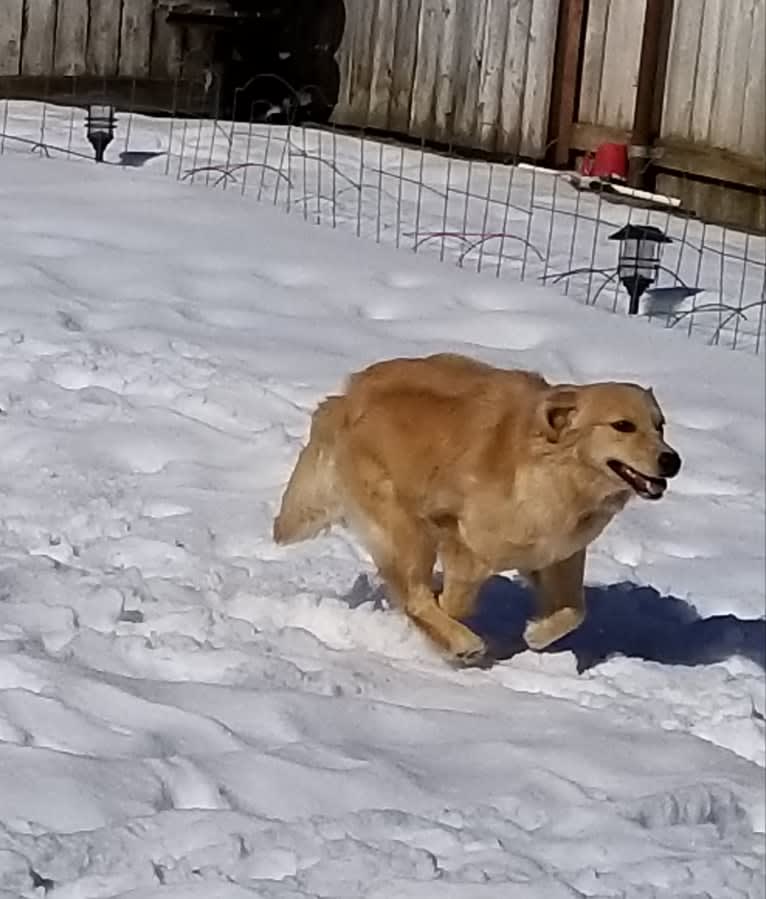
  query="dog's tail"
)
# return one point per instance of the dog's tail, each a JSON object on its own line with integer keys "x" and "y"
{"x": 311, "y": 502}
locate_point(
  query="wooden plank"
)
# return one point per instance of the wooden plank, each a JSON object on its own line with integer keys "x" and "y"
{"x": 564, "y": 79}
{"x": 39, "y": 37}
{"x": 707, "y": 69}
{"x": 405, "y": 55}
{"x": 103, "y": 46}
{"x": 355, "y": 56}
{"x": 721, "y": 205}
{"x": 430, "y": 25}
{"x": 684, "y": 53}
{"x": 537, "y": 88}
{"x": 593, "y": 60}
{"x": 135, "y": 38}
{"x": 514, "y": 77}
{"x": 71, "y": 37}
{"x": 728, "y": 104}
{"x": 492, "y": 73}
{"x": 684, "y": 156}
{"x": 447, "y": 77}
{"x": 383, "y": 61}
{"x": 167, "y": 47}
{"x": 622, "y": 52}
{"x": 11, "y": 13}
{"x": 469, "y": 50}
{"x": 753, "y": 139}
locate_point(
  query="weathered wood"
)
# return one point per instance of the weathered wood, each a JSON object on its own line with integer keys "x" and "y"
{"x": 468, "y": 63}
{"x": 537, "y": 89}
{"x": 728, "y": 104}
{"x": 382, "y": 64}
{"x": 493, "y": 68}
{"x": 405, "y": 55}
{"x": 509, "y": 135}
{"x": 167, "y": 48}
{"x": 430, "y": 25}
{"x": 753, "y": 138}
{"x": 716, "y": 203}
{"x": 564, "y": 78}
{"x": 353, "y": 106}
{"x": 593, "y": 60}
{"x": 446, "y": 73}
{"x": 11, "y": 12}
{"x": 71, "y": 37}
{"x": 39, "y": 37}
{"x": 102, "y": 54}
{"x": 621, "y": 57}
{"x": 135, "y": 38}
{"x": 682, "y": 66}
{"x": 703, "y": 79}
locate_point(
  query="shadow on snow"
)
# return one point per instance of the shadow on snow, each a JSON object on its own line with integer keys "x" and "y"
{"x": 623, "y": 619}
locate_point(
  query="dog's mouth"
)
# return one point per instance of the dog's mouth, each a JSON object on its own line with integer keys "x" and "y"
{"x": 645, "y": 486}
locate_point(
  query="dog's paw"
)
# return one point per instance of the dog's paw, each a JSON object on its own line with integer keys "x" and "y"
{"x": 472, "y": 653}
{"x": 542, "y": 632}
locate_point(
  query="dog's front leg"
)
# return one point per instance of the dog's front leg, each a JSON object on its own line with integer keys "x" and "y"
{"x": 560, "y": 601}
{"x": 464, "y": 573}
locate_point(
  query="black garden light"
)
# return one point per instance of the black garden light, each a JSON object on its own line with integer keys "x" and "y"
{"x": 100, "y": 124}
{"x": 639, "y": 259}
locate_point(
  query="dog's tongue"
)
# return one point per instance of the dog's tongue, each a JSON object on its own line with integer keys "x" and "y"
{"x": 653, "y": 488}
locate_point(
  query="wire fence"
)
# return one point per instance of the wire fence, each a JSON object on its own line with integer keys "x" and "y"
{"x": 517, "y": 221}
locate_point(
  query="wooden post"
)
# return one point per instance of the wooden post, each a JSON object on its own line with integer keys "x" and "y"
{"x": 651, "y": 72}
{"x": 564, "y": 89}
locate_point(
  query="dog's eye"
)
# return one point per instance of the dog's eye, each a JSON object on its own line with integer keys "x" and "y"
{"x": 624, "y": 426}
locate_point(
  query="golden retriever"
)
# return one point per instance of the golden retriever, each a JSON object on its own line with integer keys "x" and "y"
{"x": 486, "y": 469}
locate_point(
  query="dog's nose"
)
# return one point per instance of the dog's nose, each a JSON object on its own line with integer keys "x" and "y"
{"x": 669, "y": 463}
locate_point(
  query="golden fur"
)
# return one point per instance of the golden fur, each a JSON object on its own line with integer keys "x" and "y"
{"x": 486, "y": 469}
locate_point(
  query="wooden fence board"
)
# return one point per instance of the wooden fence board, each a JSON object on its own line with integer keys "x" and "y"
{"x": 11, "y": 12}
{"x": 493, "y": 69}
{"x": 424, "y": 83}
{"x": 731, "y": 76}
{"x": 382, "y": 47}
{"x": 71, "y": 37}
{"x": 753, "y": 138}
{"x": 537, "y": 89}
{"x": 514, "y": 77}
{"x": 683, "y": 57}
{"x": 703, "y": 83}
{"x": 593, "y": 60}
{"x": 622, "y": 51}
{"x": 102, "y": 54}
{"x": 405, "y": 54}
{"x": 135, "y": 37}
{"x": 446, "y": 73}
{"x": 39, "y": 37}
{"x": 468, "y": 63}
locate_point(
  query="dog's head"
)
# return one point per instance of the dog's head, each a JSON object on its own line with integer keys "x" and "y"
{"x": 617, "y": 430}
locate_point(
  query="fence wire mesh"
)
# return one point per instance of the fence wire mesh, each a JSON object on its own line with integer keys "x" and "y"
{"x": 510, "y": 219}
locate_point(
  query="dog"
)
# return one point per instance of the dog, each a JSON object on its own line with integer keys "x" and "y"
{"x": 483, "y": 468}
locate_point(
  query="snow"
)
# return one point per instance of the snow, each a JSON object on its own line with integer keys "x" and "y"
{"x": 187, "y": 710}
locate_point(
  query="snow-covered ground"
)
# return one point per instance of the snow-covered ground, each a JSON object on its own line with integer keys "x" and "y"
{"x": 187, "y": 710}
{"x": 517, "y": 221}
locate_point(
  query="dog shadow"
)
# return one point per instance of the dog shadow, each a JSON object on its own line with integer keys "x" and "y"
{"x": 623, "y": 619}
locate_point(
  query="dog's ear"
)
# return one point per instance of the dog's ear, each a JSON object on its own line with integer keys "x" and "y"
{"x": 556, "y": 411}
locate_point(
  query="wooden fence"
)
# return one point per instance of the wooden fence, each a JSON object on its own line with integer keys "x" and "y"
{"x": 511, "y": 77}
{"x": 95, "y": 38}
{"x": 473, "y": 73}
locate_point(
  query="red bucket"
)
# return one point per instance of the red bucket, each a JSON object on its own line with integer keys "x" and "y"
{"x": 609, "y": 161}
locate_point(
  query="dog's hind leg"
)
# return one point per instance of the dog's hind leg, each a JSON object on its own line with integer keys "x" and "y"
{"x": 560, "y": 601}
{"x": 312, "y": 501}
